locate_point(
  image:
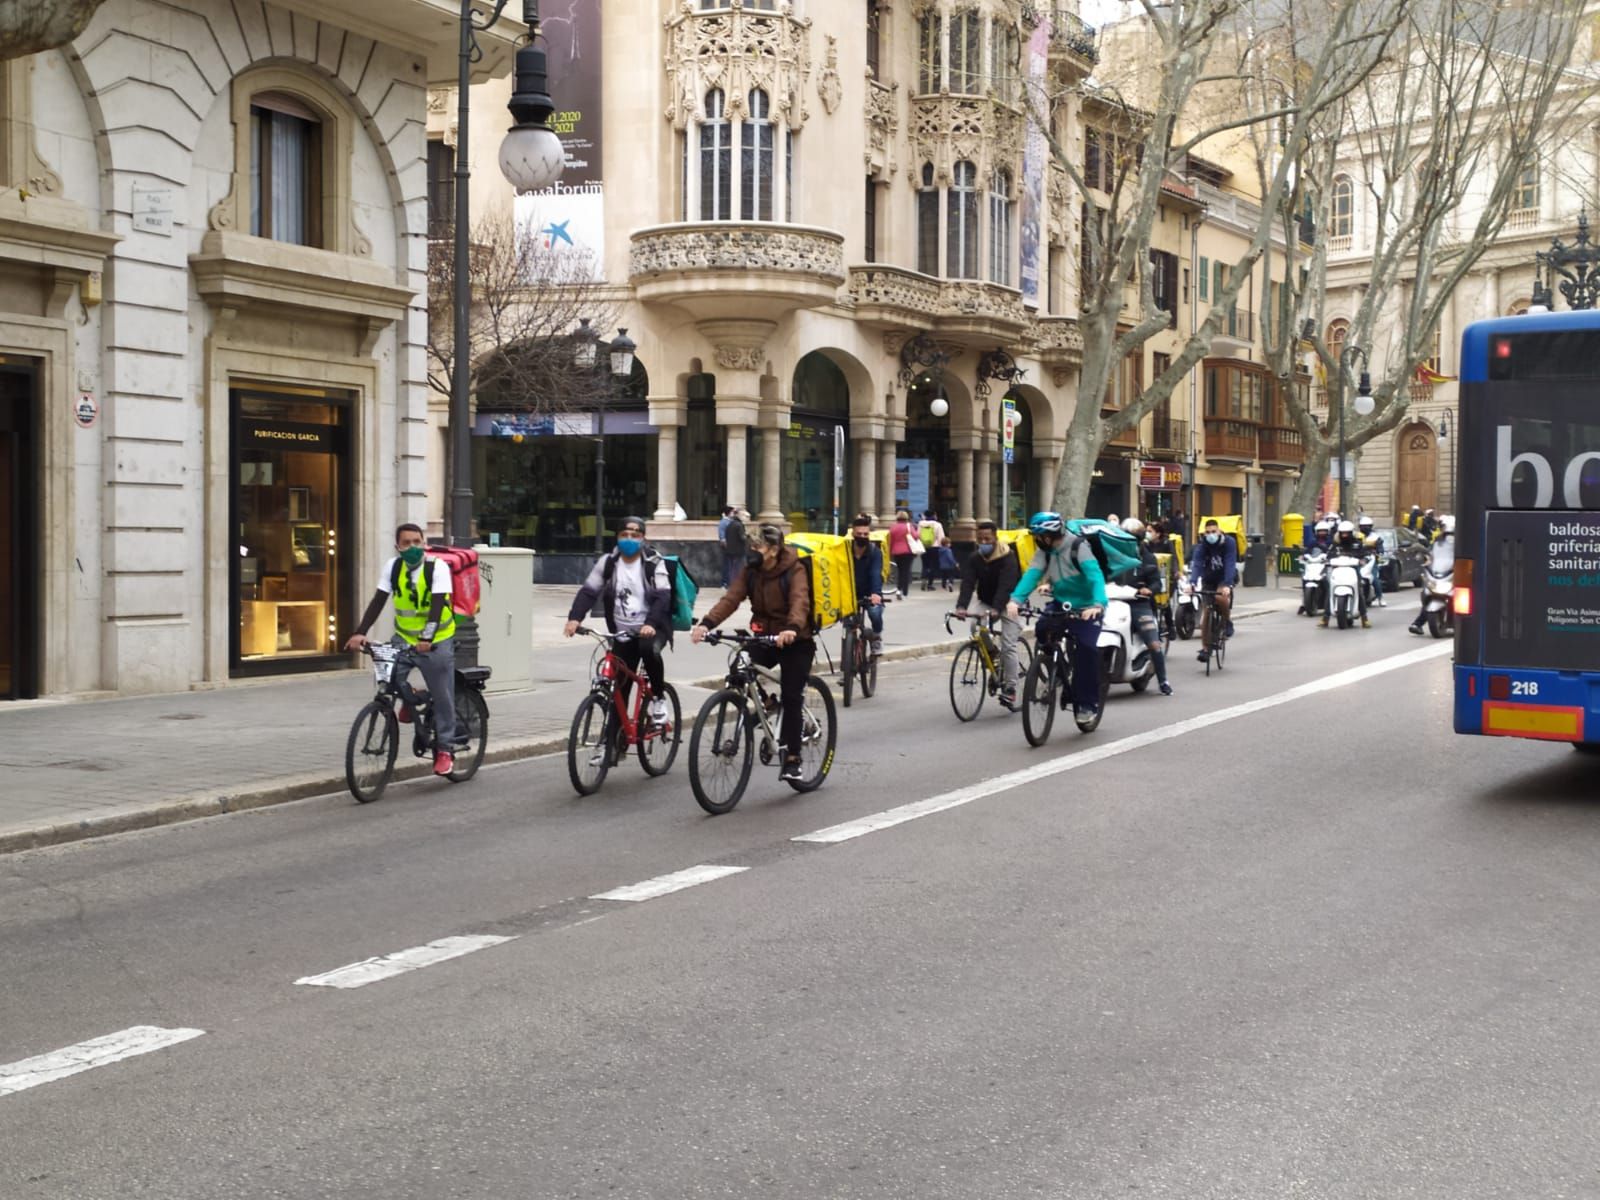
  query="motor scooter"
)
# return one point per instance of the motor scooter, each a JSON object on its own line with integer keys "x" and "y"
{"x": 1313, "y": 568}
{"x": 1185, "y": 608}
{"x": 1124, "y": 658}
{"x": 1438, "y": 585}
{"x": 1344, "y": 589}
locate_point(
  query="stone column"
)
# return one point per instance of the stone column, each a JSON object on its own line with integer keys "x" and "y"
{"x": 887, "y": 453}
{"x": 866, "y": 477}
{"x": 733, "y": 487}
{"x": 1048, "y": 467}
{"x": 666, "y": 473}
{"x": 982, "y": 504}
{"x": 964, "y": 487}
{"x": 771, "y": 476}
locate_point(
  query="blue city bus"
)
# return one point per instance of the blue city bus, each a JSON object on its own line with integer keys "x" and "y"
{"x": 1527, "y": 574}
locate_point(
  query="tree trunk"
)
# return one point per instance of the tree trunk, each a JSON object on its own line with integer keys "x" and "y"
{"x": 29, "y": 26}
{"x": 1076, "y": 473}
{"x": 1312, "y": 476}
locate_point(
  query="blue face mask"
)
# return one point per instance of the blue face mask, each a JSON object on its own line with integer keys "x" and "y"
{"x": 986, "y": 548}
{"x": 628, "y": 546}
{"x": 1213, "y": 538}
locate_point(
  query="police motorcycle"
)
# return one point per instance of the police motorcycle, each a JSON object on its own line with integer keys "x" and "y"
{"x": 1344, "y": 589}
{"x": 1438, "y": 584}
{"x": 1124, "y": 658}
{"x": 1313, "y": 570}
{"x": 1185, "y": 607}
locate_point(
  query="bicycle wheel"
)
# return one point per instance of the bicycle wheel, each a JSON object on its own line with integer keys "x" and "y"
{"x": 589, "y": 744}
{"x": 1221, "y": 652}
{"x": 847, "y": 664}
{"x": 473, "y": 714}
{"x": 1039, "y": 698}
{"x": 658, "y": 746}
{"x": 369, "y": 754}
{"x": 721, "y": 751}
{"x": 869, "y": 667}
{"x": 819, "y": 731}
{"x": 969, "y": 682}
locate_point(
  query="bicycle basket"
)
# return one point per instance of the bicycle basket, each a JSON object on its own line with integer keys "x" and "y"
{"x": 383, "y": 662}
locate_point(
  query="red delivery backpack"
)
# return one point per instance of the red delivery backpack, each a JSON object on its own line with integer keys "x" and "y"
{"x": 466, "y": 588}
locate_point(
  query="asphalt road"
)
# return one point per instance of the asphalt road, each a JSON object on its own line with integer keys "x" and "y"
{"x": 1309, "y": 946}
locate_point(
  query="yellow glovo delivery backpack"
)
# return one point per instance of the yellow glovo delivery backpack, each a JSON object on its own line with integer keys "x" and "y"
{"x": 831, "y": 570}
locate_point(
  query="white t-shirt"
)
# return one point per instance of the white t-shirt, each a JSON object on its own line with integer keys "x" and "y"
{"x": 632, "y": 607}
{"x": 438, "y": 581}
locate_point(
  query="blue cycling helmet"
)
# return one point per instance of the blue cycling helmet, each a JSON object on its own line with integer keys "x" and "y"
{"x": 1046, "y": 523}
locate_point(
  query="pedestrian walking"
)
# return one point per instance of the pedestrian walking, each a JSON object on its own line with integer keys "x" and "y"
{"x": 1178, "y": 525}
{"x": 730, "y": 532}
{"x": 931, "y": 531}
{"x": 901, "y": 534}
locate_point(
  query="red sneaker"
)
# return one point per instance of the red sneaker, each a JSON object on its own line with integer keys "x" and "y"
{"x": 443, "y": 763}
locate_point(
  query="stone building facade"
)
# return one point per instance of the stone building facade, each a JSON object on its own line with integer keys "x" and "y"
{"x": 212, "y": 397}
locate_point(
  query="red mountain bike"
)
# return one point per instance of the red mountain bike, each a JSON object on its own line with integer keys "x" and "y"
{"x": 605, "y": 724}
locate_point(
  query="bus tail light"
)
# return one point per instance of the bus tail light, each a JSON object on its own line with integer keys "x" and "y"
{"x": 1461, "y": 597}
{"x": 1499, "y": 687}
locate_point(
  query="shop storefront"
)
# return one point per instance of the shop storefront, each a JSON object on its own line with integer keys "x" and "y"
{"x": 1159, "y": 487}
{"x": 291, "y": 503}
{"x": 1018, "y": 478}
{"x": 19, "y": 534}
{"x": 925, "y": 468}
{"x": 1108, "y": 493}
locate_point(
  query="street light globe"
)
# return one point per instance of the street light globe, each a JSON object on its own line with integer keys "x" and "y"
{"x": 531, "y": 157}
{"x": 939, "y": 407}
{"x": 1364, "y": 405}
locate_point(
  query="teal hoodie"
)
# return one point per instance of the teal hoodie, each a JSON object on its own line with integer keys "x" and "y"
{"x": 1072, "y": 571}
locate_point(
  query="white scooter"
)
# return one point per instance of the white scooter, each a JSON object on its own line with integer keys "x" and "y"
{"x": 1313, "y": 568}
{"x": 1185, "y": 608}
{"x": 1344, "y": 589}
{"x": 1124, "y": 658}
{"x": 1438, "y": 584}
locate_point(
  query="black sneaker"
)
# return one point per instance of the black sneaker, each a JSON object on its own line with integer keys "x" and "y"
{"x": 1166, "y": 689}
{"x": 1008, "y": 698}
{"x": 791, "y": 772}
{"x": 1416, "y": 628}
{"x": 1203, "y": 656}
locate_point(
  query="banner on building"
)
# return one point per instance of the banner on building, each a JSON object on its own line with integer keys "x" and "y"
{"x": 911, "y": 484}
{"x": 1035, "y": 163}
{"x": 568, "y": 217}
{"x": 1160, "y": 477}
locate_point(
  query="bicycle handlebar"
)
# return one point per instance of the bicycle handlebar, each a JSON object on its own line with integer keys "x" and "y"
{"x": 607, "y": 638}
{"x": 742, "y": 636}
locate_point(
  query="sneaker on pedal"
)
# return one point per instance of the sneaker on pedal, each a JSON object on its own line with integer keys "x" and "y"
{"x": 1008, "y": 698}
{"x": 658, "y": 711}
{"x": 1205, "y": 655}
{"x": 791, "y": 772}
{"x": 443, "y": 763}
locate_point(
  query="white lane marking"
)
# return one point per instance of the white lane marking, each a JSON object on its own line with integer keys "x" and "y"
{"x": 96, "y": 1052}
{"x": 386, "y": 966}
{"x": 676, "y": 882}
{"x": 1004, "y": 783}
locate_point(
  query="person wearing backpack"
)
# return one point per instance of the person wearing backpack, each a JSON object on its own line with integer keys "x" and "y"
{"x": 1067, "y": 563}
{"x": 730, "y": 532}
{"x": 633, "y": 589}
{"x": 424, "y": 621}
{"x": 775, "y": 582}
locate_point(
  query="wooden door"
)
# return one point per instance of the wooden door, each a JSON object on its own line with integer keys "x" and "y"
{"x": 1417, "y": 469}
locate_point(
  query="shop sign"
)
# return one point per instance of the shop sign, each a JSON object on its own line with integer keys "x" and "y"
{"x": 85, "y": 410}
{"x": 286, "y": 435}
{"x": 1160, "y": 477}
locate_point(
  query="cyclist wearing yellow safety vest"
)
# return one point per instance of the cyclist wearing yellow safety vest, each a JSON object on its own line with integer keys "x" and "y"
{"x": 424, "y": 621}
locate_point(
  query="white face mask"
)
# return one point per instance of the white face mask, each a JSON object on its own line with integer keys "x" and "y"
{"x": 1213, "y": 538}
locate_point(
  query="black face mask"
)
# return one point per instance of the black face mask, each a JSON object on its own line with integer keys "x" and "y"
{"x": 752, "y": 558}
{"x": 862, "y": 539}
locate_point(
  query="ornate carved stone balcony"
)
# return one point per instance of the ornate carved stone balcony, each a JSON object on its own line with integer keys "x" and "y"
{"x": 1282, "y": 447}
{"x": 971, "y": 308}
{"x": 894, "y": 297}
{"x": 762, "y": 270}
{"x": 960, "y": 309}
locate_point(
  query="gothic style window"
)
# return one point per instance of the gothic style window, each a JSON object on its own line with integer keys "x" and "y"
{"x": 1342, "y": 221}
{"x": 1000, "y": 220}
{"x": 930, "y": 54}
{"x": 928, "y": 223}
{"x": 874, "y": 35}
{"x": 966, "y": 53}
{"x": 869, "y": 214}
{"x": 285, "y": 170}
{"x": 1005, "y": 62}
{"x": 961, "y": 224}
{"x": 716, "y": 161}
{"x": 755, "y": 160}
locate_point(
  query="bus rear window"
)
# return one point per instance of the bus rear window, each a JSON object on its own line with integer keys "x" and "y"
{"x": 1561, "y": 354}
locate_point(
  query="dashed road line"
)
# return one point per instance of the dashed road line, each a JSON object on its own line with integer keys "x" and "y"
{"x": 85, "y": 1056}
{"x": 664, "y": 884}
{"x": 387, "y": 966}
{"x": 889, "y": 818}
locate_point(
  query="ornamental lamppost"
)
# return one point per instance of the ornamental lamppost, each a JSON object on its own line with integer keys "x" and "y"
{"x": 1364, "y": 404}
{"x": 1578, "y": 265}
{"x": 531, "y": 158}
{"x": 585, "y": 354}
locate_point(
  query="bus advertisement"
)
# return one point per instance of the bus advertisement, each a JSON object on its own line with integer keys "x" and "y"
{"x": 1527, "y": 575}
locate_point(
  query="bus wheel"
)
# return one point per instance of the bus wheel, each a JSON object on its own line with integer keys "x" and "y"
{"x": 1586, "y": 747}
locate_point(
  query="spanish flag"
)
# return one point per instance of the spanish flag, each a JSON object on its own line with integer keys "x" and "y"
{"x": 1426, "y": 374}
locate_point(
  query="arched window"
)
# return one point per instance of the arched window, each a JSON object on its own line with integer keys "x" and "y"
{"x": 755, "y": 160}
{"x": 285, "y": 169}
{"x": 961, "y": 224}
{"x": 1525, "y": 195}
{"x": 966, "y": 53}
{"x": 716, "y": 160}
{"x": 927, "y": 223}
{"x": 930, "y": 54}
{"x": 1000, "y": 221}
{"x": 1342, "y": 217}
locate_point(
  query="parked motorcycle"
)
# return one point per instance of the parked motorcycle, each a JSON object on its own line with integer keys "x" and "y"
{"x": 1438, "y": 584}
{"x": 1344, "y": 589}
{"x": 1313, "y": 569}
{"x": 1124, "y": 658}
{"x": 1185, "y": 608}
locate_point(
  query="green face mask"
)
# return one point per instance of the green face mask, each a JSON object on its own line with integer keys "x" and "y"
{"x": 412, "y": 556}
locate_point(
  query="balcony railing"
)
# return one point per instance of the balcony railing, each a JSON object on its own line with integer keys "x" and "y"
{"x": 1239, "y": 324}
{"x": 1230, "y": 439}
{"x": 1421, "y": 391}
{"x": 1169, "y": 436}
{"x": 1282, "y": 446}
{"x": 1522, "y": 218}
{"x": 1071, "y": 33}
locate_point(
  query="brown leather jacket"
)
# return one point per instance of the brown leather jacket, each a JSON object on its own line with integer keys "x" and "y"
{"x": 771, "y": 611}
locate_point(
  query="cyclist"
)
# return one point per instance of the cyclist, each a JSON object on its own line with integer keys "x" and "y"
{"x": 869, "y": 576}
{"x": 775, "y": 583}
{"x": 1075, "y": 578}
{"x": 993, "y": 573}
{"x": 424, "y": 621}
{"x": 1146, "y": 578}
{"x": 1347, "y": 543}
{"x": 1215, "y": 569}
{"x": 633, "y": 588}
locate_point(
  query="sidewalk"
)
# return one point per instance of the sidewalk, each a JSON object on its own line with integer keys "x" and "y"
{"x": 78, "y": 769}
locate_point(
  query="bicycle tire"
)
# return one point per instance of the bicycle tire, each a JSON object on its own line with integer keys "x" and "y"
{"x": 732, "y": 747}
{"x": 817, "y": 745}
{"x": 847, "y": 665}
{"x": 472, "y": 713}
{"x": 374, "y": 717}
{"x": 657, "y": 751}
{"x": 869, "y": 668}
{"x": 1221, "y": 652}
{"x": 589, "y": 737}
{"x": 1039, "y": 699}
{"x": 969, "y": 678}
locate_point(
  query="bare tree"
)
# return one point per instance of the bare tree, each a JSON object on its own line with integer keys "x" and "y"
{"x": 1185, "y": 90}
{"x": 527, "y": 300}
{"x": 29, "y": 26}
{"x": 1434, "y": 145}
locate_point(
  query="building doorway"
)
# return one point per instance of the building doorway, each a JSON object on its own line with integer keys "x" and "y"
{"x": 819, "y": 423}
{"x": 1417, "y": 469}
{"x": 19, "y": 530}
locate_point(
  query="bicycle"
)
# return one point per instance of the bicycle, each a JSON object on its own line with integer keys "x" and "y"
{"x": 604, "y": 728}
{"x": 976, "y": 671}
{"x": 733, "y": 720}
{"x": 858, "y": 657}
{"x": 374, "y": 741}
{"x": 1213, "y": 618}
{"x": 1049, "y": 683}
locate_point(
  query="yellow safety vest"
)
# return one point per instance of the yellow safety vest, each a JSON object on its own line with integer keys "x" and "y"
{"x": 412, "y": 599}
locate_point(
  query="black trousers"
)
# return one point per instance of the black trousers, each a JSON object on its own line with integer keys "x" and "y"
{"x": 794, "y": 667}
{"x": 902, "y": 567}
{"x": 635, "y": 649}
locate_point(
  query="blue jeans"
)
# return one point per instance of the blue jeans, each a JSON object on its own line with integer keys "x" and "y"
{"x": 875, "y": 615}
{"x": 1084, "y": 637}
